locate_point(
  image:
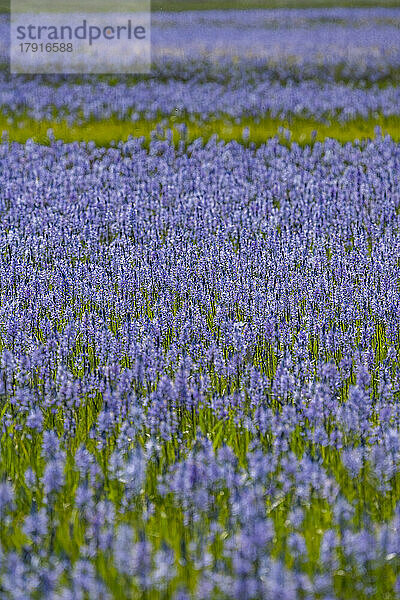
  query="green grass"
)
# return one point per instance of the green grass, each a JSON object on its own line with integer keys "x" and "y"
{"x": 182, "y": 5}
{"x": 103, "y": 133}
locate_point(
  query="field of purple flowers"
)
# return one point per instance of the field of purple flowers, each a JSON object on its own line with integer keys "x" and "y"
{"x": 326, "y": 64}
{"x": 200, "y": 342}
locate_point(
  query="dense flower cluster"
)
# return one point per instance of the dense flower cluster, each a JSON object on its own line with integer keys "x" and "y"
{"x": 350, "y": 44}
{"x": 78, "y": 103}
{"x": 199, "y": 375}
{"x": 338, "y": 63}
{"x": 328, "y": 45}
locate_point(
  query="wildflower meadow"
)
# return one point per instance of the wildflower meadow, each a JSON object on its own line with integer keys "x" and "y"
{"x": 200, "y": 315}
